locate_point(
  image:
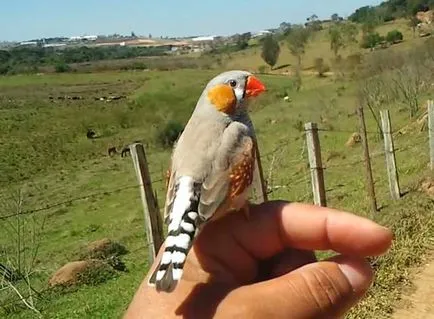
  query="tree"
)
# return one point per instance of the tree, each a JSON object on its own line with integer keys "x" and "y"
{"x": 412, "y": 23}
{"x": 297, "y": 41}
{"x": 270, "y": 50}
{"x": 370, "y": 23}
{"x": 340, "y": 35}
{"x": 335, "y": 17}
{"x": 336, "y": 40}
{"x": 150, "y": 36}
{"x": 133, "y": 35}
{"x": 394, "y": 36}
{"x": 243, "y": 40}
{"x": 314, "y": 23}
{"x": 321, "y": 67}
{"x": 284, "y": 28}
{"x": 363, "y": 14}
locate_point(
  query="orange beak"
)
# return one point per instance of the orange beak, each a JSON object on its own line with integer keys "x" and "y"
{"x": 254, "y": 87}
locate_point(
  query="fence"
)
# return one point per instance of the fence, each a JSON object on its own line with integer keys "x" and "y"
{"x": 260, "y": 187}
{"x": 312, "y": 185}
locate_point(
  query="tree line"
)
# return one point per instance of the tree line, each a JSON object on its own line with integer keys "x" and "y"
{"x": 390, "y": 10}
{"x": 28, "y": 59}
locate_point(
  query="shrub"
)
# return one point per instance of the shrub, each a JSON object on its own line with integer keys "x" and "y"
{"x": 321, "y": 67}
{"x": 4, "y": 69}
{"x": 262, "y": 69}
{"x": 394, "y": 36}
{"x": 371, "y": 40}
{"x": 168, "y": 135}
{"x": 62, "y": 67}
{"x": 97, "y": 273}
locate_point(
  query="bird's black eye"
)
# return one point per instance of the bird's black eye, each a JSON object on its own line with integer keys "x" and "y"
{"x": 233, "y": 83}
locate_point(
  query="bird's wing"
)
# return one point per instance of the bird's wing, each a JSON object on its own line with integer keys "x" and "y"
{"x": 231, "y": 173}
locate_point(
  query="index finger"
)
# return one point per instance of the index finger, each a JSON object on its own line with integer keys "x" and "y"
{"x": 275, "y": 226}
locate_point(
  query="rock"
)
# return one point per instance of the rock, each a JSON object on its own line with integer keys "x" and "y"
{"x": 99, "y": 245}
{"x": 69, "y": 273}
{"x": 89, "y": 272}
{"x": 425, "y": 17}
{"x": 354, "y": 139}
{"x": 104, "y": 248}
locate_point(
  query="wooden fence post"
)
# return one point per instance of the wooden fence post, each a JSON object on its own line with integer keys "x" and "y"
{"x": 153, "y": 219}
{"x": 369, "y": 180}
{"x": 431, "y": 132}
{"x": 259, "y": 187}
{"x": 315, "y": 163}
{"x": 390, "y": 155}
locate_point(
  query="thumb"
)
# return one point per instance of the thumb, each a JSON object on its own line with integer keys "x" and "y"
{"x": 326, "y": 289}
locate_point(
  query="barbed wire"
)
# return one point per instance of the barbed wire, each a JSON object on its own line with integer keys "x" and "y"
{"x": 344, "y": 131}
{"x": 158, "y": 180}
{"x": 68, "y": 201}
{"x": 373, "y": 155}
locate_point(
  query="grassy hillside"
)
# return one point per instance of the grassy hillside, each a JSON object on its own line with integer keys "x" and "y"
{"x": 319, "y": 46}
{"x": 71, "y": 192}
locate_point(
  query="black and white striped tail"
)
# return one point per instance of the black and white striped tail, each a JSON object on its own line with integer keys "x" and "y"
{"x": 182, "y": 229}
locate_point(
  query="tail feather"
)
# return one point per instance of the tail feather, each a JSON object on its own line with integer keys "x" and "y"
{"x": 182, "y": 229}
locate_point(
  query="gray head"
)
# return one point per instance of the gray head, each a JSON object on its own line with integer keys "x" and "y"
{"x": 228, "y": 91}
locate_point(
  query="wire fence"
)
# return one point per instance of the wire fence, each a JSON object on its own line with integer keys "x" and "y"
{"x": 269, "y": 157}
{"x": 281, "y": 172}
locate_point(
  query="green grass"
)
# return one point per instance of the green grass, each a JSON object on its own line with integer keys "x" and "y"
{"x": 46, "y": 155}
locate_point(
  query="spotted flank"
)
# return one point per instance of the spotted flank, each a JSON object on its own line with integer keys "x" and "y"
{"x": 181, "y": 232}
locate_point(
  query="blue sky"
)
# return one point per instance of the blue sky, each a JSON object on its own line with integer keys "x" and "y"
{"x": 27, "y": 19}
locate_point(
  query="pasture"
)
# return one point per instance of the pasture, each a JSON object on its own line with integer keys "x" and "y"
{"x": 64, "y": 191}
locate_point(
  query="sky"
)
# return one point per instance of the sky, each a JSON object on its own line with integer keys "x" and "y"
{"x": 31, "y": 19}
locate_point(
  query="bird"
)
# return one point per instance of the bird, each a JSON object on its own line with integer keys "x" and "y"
{"x": 211, "y": 168}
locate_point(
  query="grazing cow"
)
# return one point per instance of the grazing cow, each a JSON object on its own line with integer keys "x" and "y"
{"x": 112, "y": 150}
{"x": 125, "y": 151}
{"x": 90, "y": 133}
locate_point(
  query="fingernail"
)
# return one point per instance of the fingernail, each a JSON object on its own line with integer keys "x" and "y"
{"x": 358, "y": 272}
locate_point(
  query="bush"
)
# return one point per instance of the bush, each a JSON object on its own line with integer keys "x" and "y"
{"x": 62, "y": 67}
{"x": 371, "y": 40}
{"x": 321, "y": 67}
{"x": 169, "y": 134}
{"x": 4, "y": 69}
{"x": 97, "y": 273}
{"x": 262, "y": 69}
{"x": 394, "y": 36}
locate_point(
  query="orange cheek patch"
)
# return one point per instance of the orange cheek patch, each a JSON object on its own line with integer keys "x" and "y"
{"x": 223, "y": 98}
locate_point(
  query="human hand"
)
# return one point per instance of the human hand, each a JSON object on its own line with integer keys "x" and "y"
{"x": 264, "y": 267}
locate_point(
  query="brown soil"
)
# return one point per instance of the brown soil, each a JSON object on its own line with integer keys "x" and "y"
{"x": 420, "y": 303}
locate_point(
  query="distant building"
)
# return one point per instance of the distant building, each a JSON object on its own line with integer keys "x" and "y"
{"x": 261, "y": 33}
{"x": 29, "y": 43}
{"x": 84, "y": 38}
{"x": 204, "y": 38}
{"x": 204, "y": 42}
{"x": 90, "y": 37}
{"x": 54, "y": 45}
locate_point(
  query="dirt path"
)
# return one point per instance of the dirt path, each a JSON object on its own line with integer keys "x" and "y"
{"x": 420, "y": 303}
